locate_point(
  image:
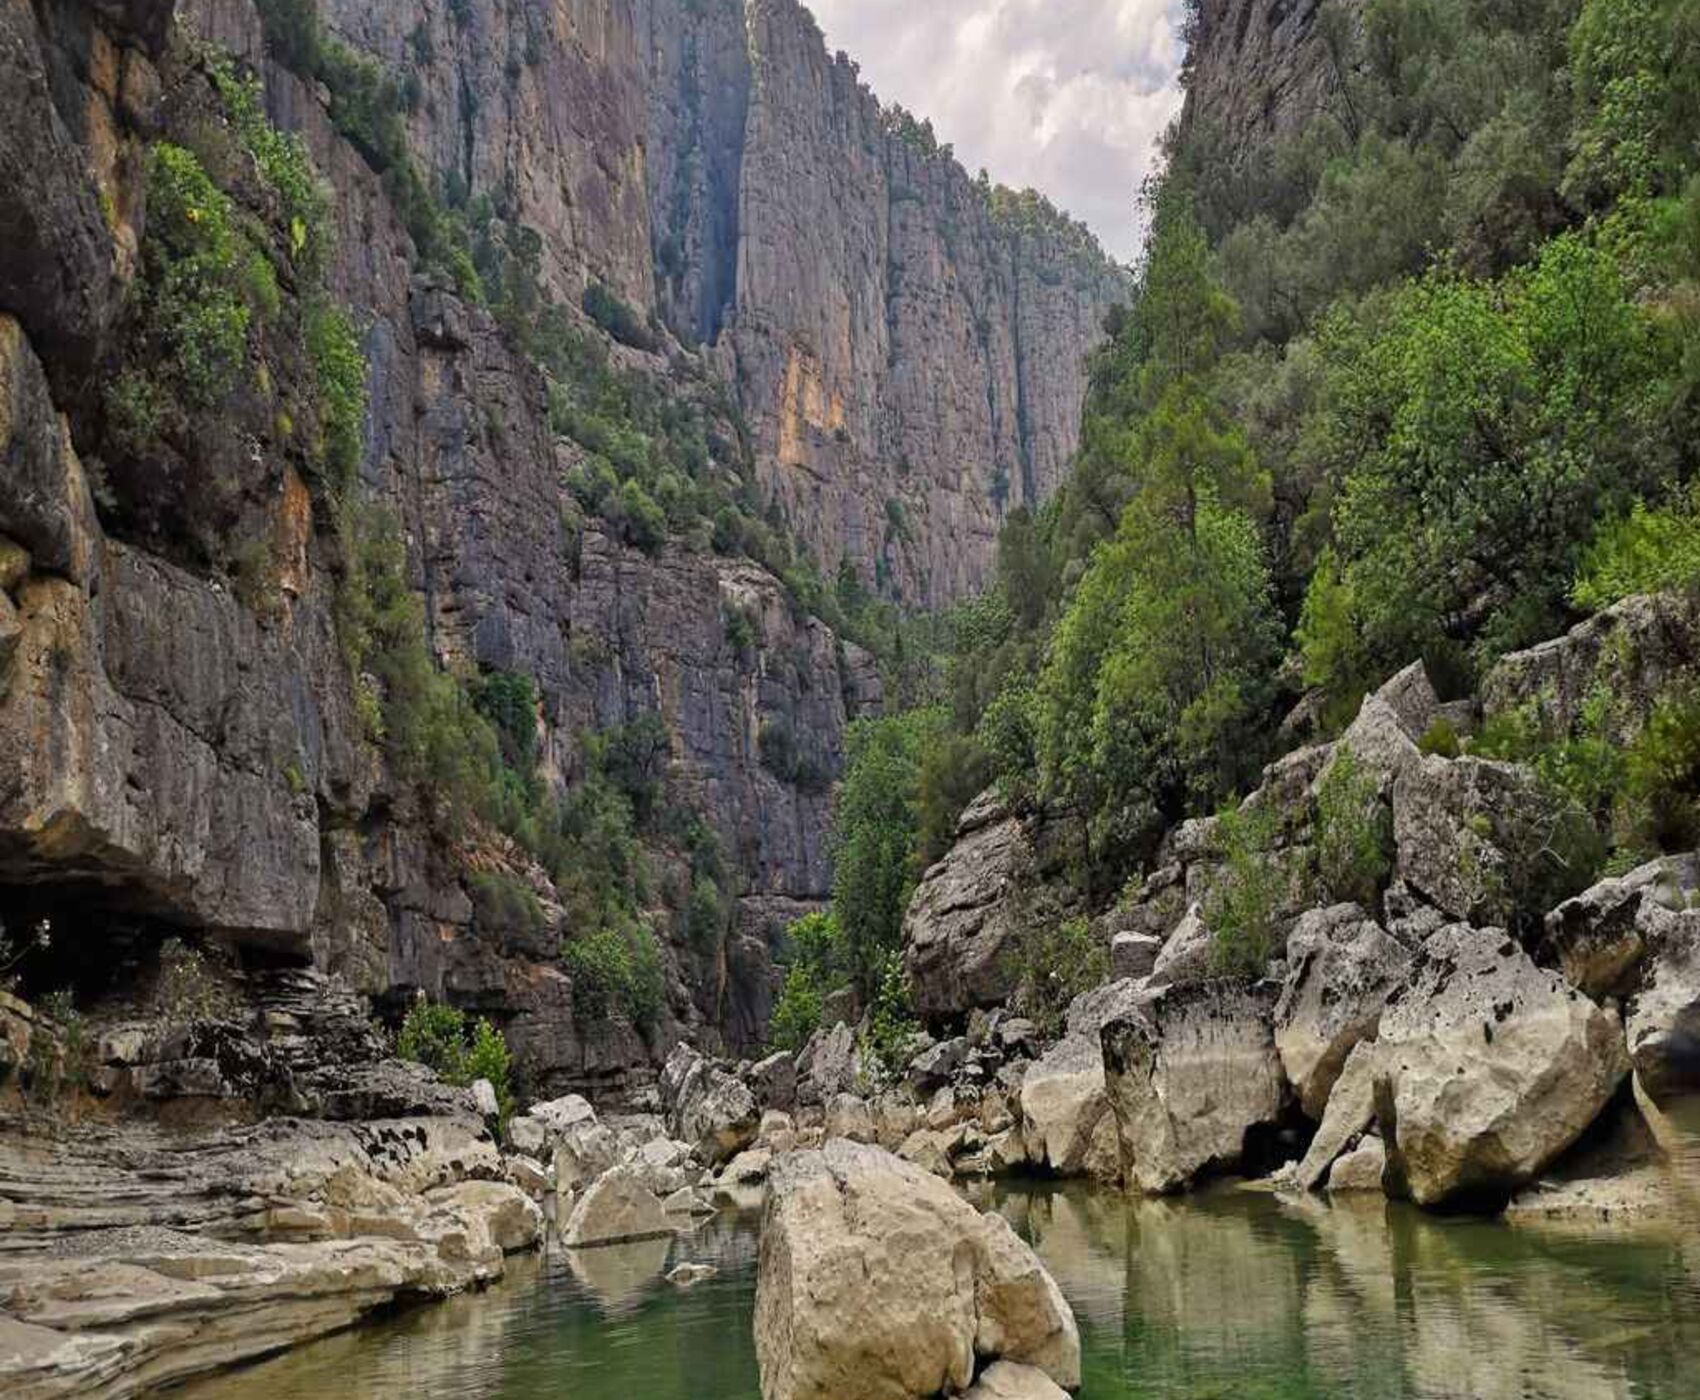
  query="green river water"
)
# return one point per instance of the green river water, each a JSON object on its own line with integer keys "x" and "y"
{"x": 1233, "y": 1294}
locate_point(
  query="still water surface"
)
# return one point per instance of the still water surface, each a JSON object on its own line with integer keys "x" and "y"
{"x": 1234, "y": 1294}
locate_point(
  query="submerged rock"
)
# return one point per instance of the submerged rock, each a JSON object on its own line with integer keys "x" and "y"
{"x": 878, "y": 1281}
{"x": 1488, "y": 1067}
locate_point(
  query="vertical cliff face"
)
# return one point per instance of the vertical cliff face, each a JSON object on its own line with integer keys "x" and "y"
{"x": 911, "y": 362}
{"x": 181, "y": 750}
{"x": 1259, "y": 69}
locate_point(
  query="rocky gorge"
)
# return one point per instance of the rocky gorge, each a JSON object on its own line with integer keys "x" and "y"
{"x": 465, "y": 470}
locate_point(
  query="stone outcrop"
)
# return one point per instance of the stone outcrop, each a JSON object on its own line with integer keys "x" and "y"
{"x": 1663, "y": 1022}
{"x": 1257, "y": 73}
{"x": 707, "y": 1106}
{"x": 1066, "y": 1117}
{"x": 961, "y": 926}
{"x": 1341, "y": 969}
{"x": 1488, "y": 1067}
{"x": 1191, "y": 1074}
{"x": 877, "y": 1280}
{"x": 1599, "y": 938}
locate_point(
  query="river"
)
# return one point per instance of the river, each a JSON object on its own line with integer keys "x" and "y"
{"x": 1231, "y": 1294}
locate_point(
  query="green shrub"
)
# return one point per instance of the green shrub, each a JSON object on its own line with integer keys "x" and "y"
{"x": 508, "y": 699}
{"x": 339, "y": 371}
{"x": 503, "y": 904}
{"x": 616, "y": 971}
{"x": 1053, "y": 962}
{"x": 1353, "y": 833}
{"x": 891, "y": 1018}
{"x": 614, "y": 316}
{"x": 439, "y": 1037}
{"x": 1248, "y": 892}
{"x": 1441, "y": 739}
{"x": 1647, "y": 551}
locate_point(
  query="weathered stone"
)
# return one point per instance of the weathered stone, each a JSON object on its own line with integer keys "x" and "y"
{"x": 689, "y": 1275}
{"x": 748, "y": 1168}
{"x": 1066, "y": 1120}
{"x": 1133, "y": 955}
{"x": 934, "y": 1066}
{"x": 848, "y": 1116}
{"x": 484, "y": 1098}
{"x": 1189, "y": 954}
{"x": 1006, "y": 1380}
{"x": 1350, "y": 1110}
{"x": 558, "y": 1115}
{"x": 707, "y": 1106}
{"x": 877, "y": 1280}
{"x": 1342, "y": 967}
{"x": 617, "y": 1206}
{"x": 1191, "y": 1075}
{"x": 1360, "y": 1169}
{"x": 1664, "y": 1017}
{"x": 583, "y": 1153}
{"x": 1488, "y": 1067}
{"x": 45, "y": 505}
{"x": 527, "y": 1135}
{"x": 1481, "y": 840}
{"x": 774, "y": 1081}
{"x": 1598, "y": 938}
{"x": 828, "y": 1066}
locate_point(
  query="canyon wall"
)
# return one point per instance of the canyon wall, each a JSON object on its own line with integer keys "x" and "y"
{"x": 179, "y": 760}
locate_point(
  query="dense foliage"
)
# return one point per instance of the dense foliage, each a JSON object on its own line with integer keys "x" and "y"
{"x": 441, "y": 1038}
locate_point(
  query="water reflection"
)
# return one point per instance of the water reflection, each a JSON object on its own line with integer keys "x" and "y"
{"x": 1235, "y": 1294}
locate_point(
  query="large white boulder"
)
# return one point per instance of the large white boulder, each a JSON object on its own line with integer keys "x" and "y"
{"x": 618, "y": 1206}
{"x": 879, "y": 1282}
{"x": 1488, "y": 1067}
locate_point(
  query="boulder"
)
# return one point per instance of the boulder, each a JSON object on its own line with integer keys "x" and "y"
{"x": 1189, "y": 954}
{"x": 618, "y": 1206}
{"x": 1360, "y": 1169}
{"x": 1488, "y": 1068}
{"x": 484, "y": 1098}
{"x": 748, "y": 1168}
{"x": 778, "y": 1131}
{"x": 1598, "y": 938}
{"x": 1133, "y": 955}
{"x": 558, "y": 1115}
{"x": 1383, "y": 738}
{"x": 1482, "y": 841}
{"x": 582, "y": 1154}
{"x": 1664, "y": 1017}
{"x": 876, "y": 1280}
{"x": 959, "y": 927}
{"x": 1066, "y": 1121}
{"x": 1341, "y": 969}
{"x": 1191, "y": 1075}
{"x": 774, "y": 1081}
{"x": 1008, "y": 1380}
{"x": 706, "y": 1106}
{"x": 829, "y": 1065}
{"x": 850, "y": 1117}
{"x": 527, "y": 1135}
{"x": 935, "y": 1065}
{"x": 1350, "y": 1110}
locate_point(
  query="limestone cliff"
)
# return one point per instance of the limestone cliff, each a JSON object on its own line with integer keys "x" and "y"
{"x": 182, "y": 741}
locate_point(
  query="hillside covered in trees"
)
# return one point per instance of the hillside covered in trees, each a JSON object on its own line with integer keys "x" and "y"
{"x": 1413, "y": 377}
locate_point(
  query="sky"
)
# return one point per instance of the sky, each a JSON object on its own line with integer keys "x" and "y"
{"x": 1068, "y": 96}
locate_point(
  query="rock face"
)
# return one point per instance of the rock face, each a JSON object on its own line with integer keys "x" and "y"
{"x": 1342, "y": 967}
{"x": 1488, "y": 1067}
{"x": 960, "y": 928}
{"x": 1066, "y": 1116}
{"x": 1664, "y": 1017}
{"x": 1190, "y": 1075}
{"x": 1258, "y": 72}
{"x": 877, "y": 1280}
{"x": 882, "y": 318}
{"x": 707, "y": 1106}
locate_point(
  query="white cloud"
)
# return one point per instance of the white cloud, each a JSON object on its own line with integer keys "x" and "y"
{"x": 1068, "y": 96}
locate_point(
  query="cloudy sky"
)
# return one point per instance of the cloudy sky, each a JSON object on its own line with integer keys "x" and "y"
{"x": 1068, "y": 96}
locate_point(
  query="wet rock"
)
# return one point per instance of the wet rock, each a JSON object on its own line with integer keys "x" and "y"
{"x": 618, "y": 1206}
{"x": 876, "y": 1279}
{"x": 1488, "y": 1068}
{"x": 1191, "y": 1075}
{"x": 1342, "y": 967}
{"x": 689, "y": 1275}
